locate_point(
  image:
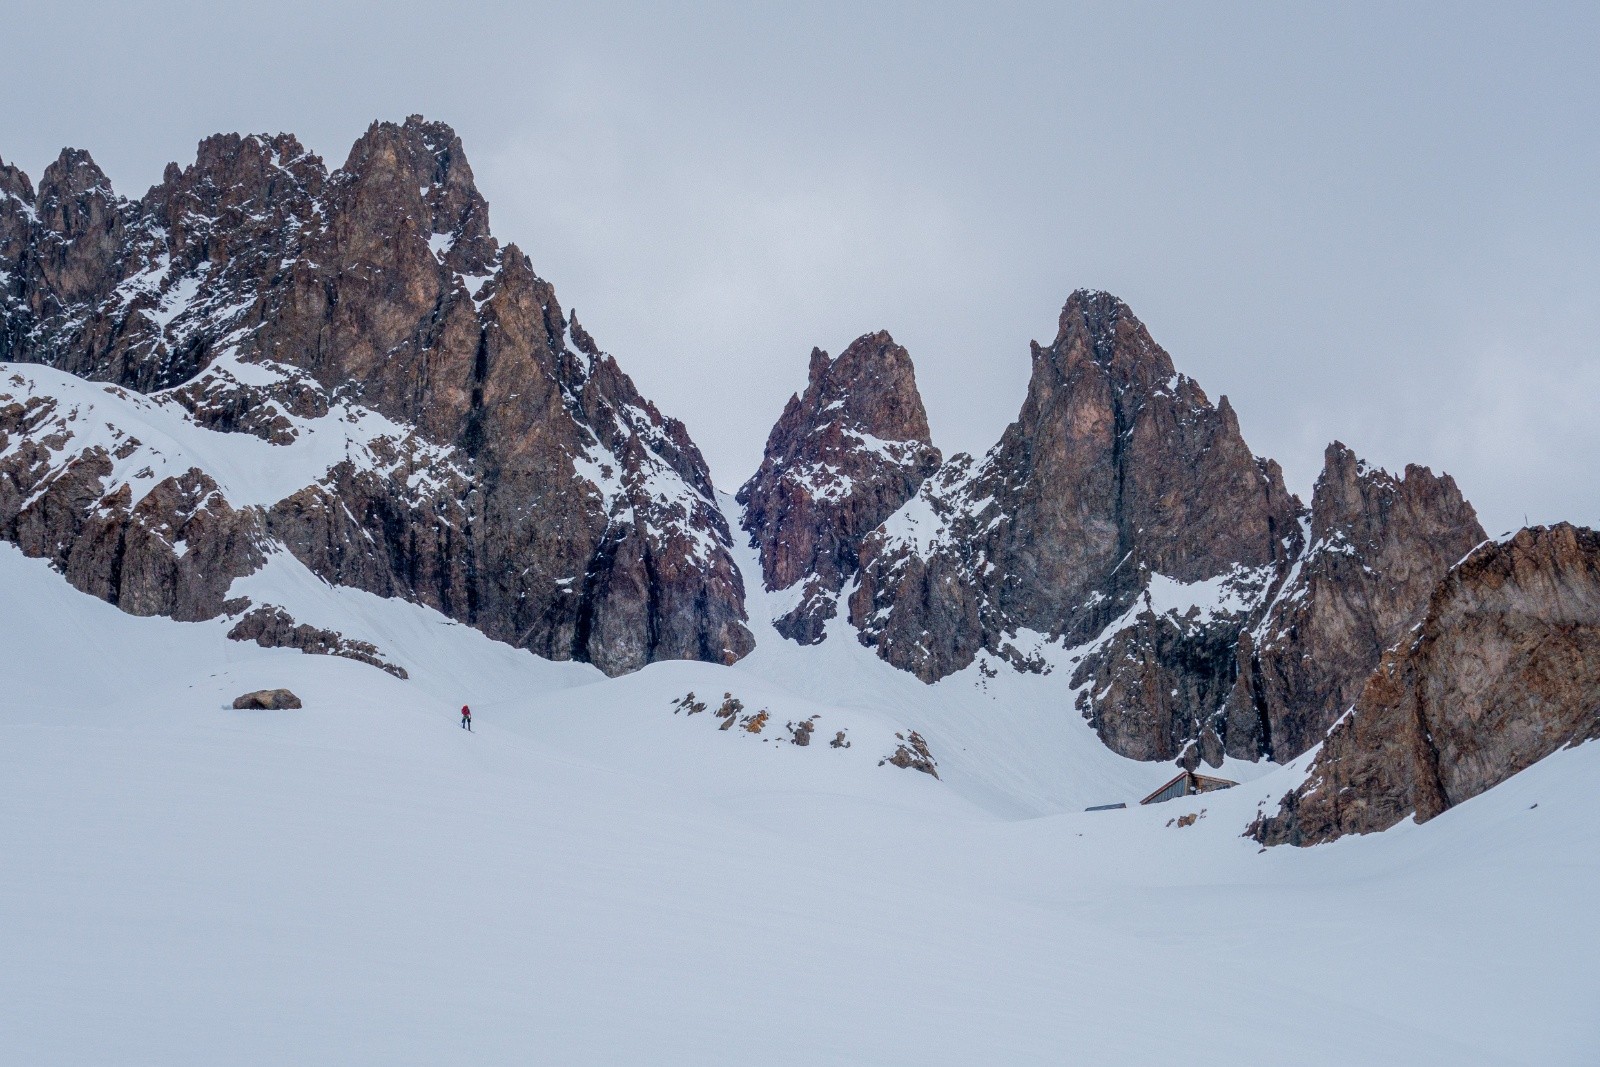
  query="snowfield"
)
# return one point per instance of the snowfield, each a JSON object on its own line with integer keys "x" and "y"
{"x": 589, "y": 877}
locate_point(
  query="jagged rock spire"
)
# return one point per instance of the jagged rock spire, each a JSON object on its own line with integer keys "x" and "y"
{"x": 844, "y": 456}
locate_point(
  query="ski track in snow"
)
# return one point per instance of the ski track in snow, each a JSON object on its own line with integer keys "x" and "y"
{"x": 589, "y": 878}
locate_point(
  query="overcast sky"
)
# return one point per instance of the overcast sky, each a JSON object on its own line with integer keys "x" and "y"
{"x": 1378, "y": 224}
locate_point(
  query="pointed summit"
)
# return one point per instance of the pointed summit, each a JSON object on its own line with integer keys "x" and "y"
{"x": 871, "y": 387}
{"x": 415, "y": 175}
{"x": 1104, "y": 329}
{"x": 844, "y": 456}
{"x": 14, "y": 183}
{"x": 73, "y": 174}
{"x": 77, "y": 207}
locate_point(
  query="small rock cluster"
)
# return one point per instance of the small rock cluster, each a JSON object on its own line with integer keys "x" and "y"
{"x": 731, "y": 713}
{"x": 912, "y": 752}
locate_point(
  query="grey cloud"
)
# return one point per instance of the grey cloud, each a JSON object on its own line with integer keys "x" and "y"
{"x": 1374, "y": 224}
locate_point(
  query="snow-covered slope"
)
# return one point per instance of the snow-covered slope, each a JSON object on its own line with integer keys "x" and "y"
{"x": 590, "y": 878}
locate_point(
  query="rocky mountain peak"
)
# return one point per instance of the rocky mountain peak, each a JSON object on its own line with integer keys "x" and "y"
{"x": 1122, "y": 514}
{"x": 1356, "y": 500}
{"x": 82, "y": 221}
{"x": 1120, "y": 428}
{"x": 870, "y": 386}
{"x": 18, "y": 218}
{"x": 232, "y": 170}
{"x": 844, "y": 456}
{"x": 542, "y": 498}
{"x": 15, "y": 184}
{"x": 72, "y": 176}
{"x": 243, "y": 197}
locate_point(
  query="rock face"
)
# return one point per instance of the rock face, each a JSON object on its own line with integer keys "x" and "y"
{"x": 845, "y": 455}
{"x": 510, "y": 474}
{"x": 1503, "y": 670}
{"x": 1378, "y": 546}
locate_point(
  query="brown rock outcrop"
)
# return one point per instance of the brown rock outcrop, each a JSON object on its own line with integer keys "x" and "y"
{"x": 844, "y": 456}
{"x": 1151, "y": 685}
{"x": 267, "y": 700}
{"x": 173, "y": 549}
{"x": 912, "y": 754}
{"x": 1378, "y": 546}
{"x": 1503, "y": 670}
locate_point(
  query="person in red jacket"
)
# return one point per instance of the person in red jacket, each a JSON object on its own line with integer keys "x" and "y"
{"x": 466, "y": 718}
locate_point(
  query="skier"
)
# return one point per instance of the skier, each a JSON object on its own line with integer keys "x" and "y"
{"x": 466, "y": 718}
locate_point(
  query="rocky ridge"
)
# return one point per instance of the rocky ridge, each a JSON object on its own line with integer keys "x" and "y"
{"x": 1503, "y": 670}
{"x": 1377, "y": 547}
{"x": 273, "y": 627}
{"x": 519, "y": 483}
{"x": 1122, "y": 525}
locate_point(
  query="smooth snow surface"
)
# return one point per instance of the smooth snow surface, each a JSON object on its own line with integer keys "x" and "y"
{"x": 589, "y": 878}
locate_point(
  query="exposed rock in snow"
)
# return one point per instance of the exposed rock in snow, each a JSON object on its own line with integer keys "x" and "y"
{"x": 100, "y": 486}
{"x": 1152, "y": 681}
{"x": 272, "y": 627}
{"x": 912, "y": 753}
{"x": 267, "y": 700}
